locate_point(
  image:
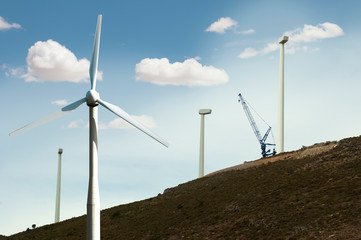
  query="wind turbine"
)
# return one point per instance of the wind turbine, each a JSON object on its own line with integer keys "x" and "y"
{"x": 93, "y": 100}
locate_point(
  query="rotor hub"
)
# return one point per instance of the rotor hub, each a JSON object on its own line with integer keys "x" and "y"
{"x": 92, "y": 97}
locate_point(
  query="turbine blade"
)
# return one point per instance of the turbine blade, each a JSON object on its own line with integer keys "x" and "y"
{"x": 125, "y": 116}
{"x": 73, "y": 105}
{"x": 94, "y": 61}
{"x": 65, "y": 110}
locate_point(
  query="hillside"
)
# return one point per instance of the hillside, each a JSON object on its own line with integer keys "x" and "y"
{"x": 312, "y": 193}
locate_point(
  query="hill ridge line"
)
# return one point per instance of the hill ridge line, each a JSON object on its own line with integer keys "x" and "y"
{"x": 313, "y": 150}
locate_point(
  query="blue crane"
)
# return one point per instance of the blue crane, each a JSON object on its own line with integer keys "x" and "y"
{"x": 261, "y": 140}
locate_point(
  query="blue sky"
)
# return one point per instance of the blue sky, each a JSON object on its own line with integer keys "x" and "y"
{"x": 161, "y": 61}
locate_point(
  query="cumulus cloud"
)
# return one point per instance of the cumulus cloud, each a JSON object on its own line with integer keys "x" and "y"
{"x": 297, "y": 37}
{"x": 311, "y": 33}
{"x": 4, "y": 25}
{"x": 188, "y": 73}
{"x": 220, "y": 26}
{"x": 62, "y": 102}
{"x": 53, "y": 62}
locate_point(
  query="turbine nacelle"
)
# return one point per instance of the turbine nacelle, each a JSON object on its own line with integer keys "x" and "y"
{"x": 92, "y": 98}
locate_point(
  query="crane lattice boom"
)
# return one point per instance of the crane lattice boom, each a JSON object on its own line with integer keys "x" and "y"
{"x": 261, "y": 140}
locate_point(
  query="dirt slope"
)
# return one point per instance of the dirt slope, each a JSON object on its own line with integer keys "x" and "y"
{"x": 313, "y": 150}
{"x": 312, "y": 193}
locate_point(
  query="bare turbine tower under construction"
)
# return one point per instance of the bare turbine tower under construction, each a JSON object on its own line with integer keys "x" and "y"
{"x": 202, "y": 112}
{"x": 281, "y": 96}
{"x": 58, "y": 187}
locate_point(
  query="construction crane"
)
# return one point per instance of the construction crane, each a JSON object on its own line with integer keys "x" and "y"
{"x": 262, "y": 140}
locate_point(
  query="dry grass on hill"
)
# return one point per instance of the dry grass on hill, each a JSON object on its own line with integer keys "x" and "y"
{"x": 313, "y": 193}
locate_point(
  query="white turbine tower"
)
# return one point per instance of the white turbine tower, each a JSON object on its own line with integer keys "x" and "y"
{"x": 93, "y": 100}
{"x": 281, "y": 96}
{"x": 58, "y": 186}
{"x": 202, "y": 112}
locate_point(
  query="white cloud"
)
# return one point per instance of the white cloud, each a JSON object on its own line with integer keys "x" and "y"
{"x": 77, "y": 124}
{"x": 117, "y": 123}
{"x": 17, "y": 72}
{"x": 50, "y": 61}
{"x": 10, "y": 71}
{"x": 187, "y": 73}
{"x": 62, "y": 102}
{"x": 270, "y": 48}
{"x": 198, "y": 58}
{"x": 6, "y": 26}
{"x": 297, "y": 37}
{"x": 221, "y": 25}
{"x": 311, "y": 33}
{"x": 247, "y": 32}
{"x": 250, "y": 52}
